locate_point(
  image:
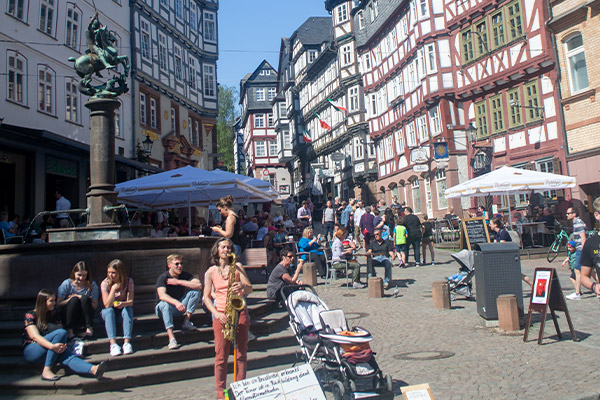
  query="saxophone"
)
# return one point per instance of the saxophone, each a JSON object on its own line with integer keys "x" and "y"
{"x": 234, "y": 304}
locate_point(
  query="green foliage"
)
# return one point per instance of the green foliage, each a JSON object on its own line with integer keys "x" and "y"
{"x": 228, "y": 112}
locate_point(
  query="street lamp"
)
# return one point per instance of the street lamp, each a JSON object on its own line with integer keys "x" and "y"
{"x": 147, "y": 145}
{"x": 471, "y": 132}
{"x": 515, "y": 103}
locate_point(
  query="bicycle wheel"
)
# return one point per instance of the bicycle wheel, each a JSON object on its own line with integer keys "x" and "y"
{"x": 554, "y": 250}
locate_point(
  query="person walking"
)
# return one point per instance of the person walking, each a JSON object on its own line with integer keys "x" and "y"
{"x": 427, "y": 240}
{"x": 358, "y": 213}
{"x": 579, "y": 237}
{"x": 328, "y": 221}
{"x": 367, "y": 227}
{"x": 413, "y": 227}
{"x": 400, "y": 236}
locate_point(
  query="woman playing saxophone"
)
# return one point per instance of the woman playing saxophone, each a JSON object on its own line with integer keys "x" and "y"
{"x": 218, "y": 284}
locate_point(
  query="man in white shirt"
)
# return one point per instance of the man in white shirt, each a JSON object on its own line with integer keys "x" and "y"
{"x": 62, "y": 219}
{"x": 358, "y": 213}
{"x": 304, "y": 214}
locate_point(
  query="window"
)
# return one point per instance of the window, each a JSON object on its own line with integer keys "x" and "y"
{"x": 209, "y": 27}
{"x": 17, "y": 84}
{"x": 45, "y": 90}
{"x": 346, "y": 54}
{"x": 47, "y": 16}
{"x": 367, "y": 62}
{"x": 361, "y": 20}
{"x": 270, "y": 120}
{"x": 71, "y": 101}
{"x": 209, "y": 80}
{"x": 416, "y": 195}
{"x": 271, "y": 93}
{"x": 358, "y": 149}
{"x": 423, "y": 9}
{"x": 164, "y": 3}
{"x": 430, "y": 58}
{"x": 342, "y": 13}
{"x": 287, "y": 139}
{"x": 435, "y": 123}
{"x": 143, "y": 108}
{"x": 193, "y": 17}
{"x": 388, "y": 147}
{"x": 399, "y": 139}
{"x": 192, "y": 72}
{"x": 497, "y": 22}
{"x": 196, "y": 134}
{"x": 179, "y": 9}
{"x": 576, "y": 65}
{"x": 312, "y": 54}
{"x": 497, "y": 112}
{"x": 265, "y": 72}
{"x": 178, "y": 68}
{"x": 145, "y": 40}
{"x": 282, "y": 109}
{"x": 467, "y": 46}
{"x": 547, "y": 165}
{"x": 353, "y": 95}
{"x": 373, "y": 105}
{"x": 370, "y": 148}
{"x": 16, "y": 8}
{"x": 118, "y": 131}
{"x": 514, "y": 104}
{"x": 174, "y": 120}
{"x": 260, "y": 94}
{"x": 162, "y": 51}
{"x": 482, "y": 38}
{"x": 72, "y": 34}
{"x": 411, "y": 139}
{"x": 273, "y": 148}
{"x": 514, "y": 20}
{"x": 422, "y": 128}
{"x": 259, "y": 121}
{"x": 153, "y": 113}
{"x": 440, "y": 185}
{"x": 532, "y": 100}
{"x": 481, "y": 117}
{"x": 261, "y": 150}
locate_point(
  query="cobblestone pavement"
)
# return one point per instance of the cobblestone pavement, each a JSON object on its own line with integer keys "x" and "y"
{"x": 480, "y": 362}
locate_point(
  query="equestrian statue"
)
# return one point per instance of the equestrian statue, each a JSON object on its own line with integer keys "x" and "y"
{"x": 100, "y": 55}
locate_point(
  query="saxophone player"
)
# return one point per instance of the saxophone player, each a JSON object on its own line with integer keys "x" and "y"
{"x": 224, "y": 280}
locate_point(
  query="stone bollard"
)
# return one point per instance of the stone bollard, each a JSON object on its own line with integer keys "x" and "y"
{"x": 508, "y": 312}
{"x": 376, "y": 287}
{"x": 441, "y": 295}
{"x": 309, "y": 274}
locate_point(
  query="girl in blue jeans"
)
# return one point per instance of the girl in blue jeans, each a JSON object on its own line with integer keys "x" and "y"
{"x": 117, "y": 297}
{"x": 44, "y": 340}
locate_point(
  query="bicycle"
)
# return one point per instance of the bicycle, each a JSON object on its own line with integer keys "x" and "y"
{"x": 559, "y": 245}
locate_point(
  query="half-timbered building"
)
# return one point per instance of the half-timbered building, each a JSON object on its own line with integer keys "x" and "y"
{"x": 174, "y": 54}
{"x": 261, "y": 148}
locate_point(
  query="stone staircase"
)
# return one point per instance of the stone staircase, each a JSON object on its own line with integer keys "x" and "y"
{"x": 151, "y": 363}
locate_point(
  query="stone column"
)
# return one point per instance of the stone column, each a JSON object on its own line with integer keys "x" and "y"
{"x": 102, "y": 159}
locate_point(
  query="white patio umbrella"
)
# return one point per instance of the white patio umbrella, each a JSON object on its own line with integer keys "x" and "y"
{"x": 264, "y": 186}
{"x": 508, "y": 181}
{"x": 185, "y": 187}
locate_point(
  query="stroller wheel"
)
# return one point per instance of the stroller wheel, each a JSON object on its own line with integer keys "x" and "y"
{"x": 389, "y": 386}
{"x": 339, "y": 391}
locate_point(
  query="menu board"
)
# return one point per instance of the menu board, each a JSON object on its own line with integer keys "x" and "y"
{"x": 474, "y": 230}
{"x": 291, "y": 384}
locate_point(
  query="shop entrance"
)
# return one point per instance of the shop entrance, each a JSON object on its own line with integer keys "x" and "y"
{"x": 7, "y": 183}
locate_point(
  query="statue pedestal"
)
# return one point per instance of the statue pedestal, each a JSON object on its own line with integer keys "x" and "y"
{"x": 102, "y": 159}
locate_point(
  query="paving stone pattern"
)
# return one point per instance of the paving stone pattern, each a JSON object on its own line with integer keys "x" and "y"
{"x": 480, "y": 363}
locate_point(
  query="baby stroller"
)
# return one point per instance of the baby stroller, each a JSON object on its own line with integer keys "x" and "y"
{"x": 341, "y": 356}
{"x": 461, "y": 283}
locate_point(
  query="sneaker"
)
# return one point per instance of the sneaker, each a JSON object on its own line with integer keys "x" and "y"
{"x": 173, "y": 344}
{"x": 78, "y": 347}
{"x": 386, "y": 285}
{"x": 188, "y": 326}
{"x": 127, "y": 349}
{"x": 433, "y": 263}
{"x": 417, "y": 264}
{"x": 251, "y": 336}
{"x": 574, "y": 296}
{"x": 115, "y": 350}
{"x": 358, "y": 285}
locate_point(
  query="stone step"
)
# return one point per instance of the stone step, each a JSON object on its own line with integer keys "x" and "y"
{"x": 113, "y": 380}
{"x": 145, "y": 344}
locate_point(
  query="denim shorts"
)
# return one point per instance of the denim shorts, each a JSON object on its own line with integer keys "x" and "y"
{"x": 401, "y": 248}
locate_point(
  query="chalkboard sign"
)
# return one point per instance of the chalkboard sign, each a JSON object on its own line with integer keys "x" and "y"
{"x": 473, "y": 230}
{"x": 298, "y": 383}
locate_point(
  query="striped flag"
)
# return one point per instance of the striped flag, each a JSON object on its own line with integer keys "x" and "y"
{"x": 337, "y": 106}
{"x": 324, "y": 124}
{"x": 306, "y": 137}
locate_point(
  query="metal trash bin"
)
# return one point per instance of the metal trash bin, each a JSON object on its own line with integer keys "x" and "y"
{"x": 497, "y": 272}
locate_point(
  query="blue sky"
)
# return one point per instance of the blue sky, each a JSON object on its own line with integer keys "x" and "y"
{"x": 251, "y": 31}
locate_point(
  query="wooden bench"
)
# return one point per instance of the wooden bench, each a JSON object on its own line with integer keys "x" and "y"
{"x": 253, "y": 259}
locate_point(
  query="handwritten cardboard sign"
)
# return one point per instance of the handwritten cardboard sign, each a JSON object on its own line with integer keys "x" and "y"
{"x": 298, "y": 383}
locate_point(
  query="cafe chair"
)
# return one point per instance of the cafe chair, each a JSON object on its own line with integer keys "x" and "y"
{"x": 10, "y": 240}
{"x": 330, "y": 272}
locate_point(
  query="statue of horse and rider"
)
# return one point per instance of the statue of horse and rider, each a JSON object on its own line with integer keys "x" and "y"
{"x": 100, "y": 55}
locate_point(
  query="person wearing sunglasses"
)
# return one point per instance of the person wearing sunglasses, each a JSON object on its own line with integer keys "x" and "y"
{"x": 178, "y": 293}
{"x": 281, "y": 276}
